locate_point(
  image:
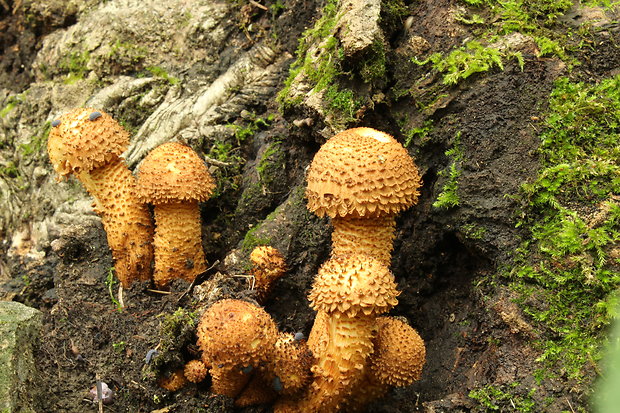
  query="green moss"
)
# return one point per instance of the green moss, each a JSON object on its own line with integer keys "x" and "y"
{"x": 498, "y": 399}
{"x": 270, "y": 163}
{"x": 253, "y": 240}
{"x": 467, "y": 60}
{"x": 9, "y": 170}
{"x": 473, "y": 231}
{"x": 75, "y": 64}
{"x": 373, "y": 68}
{"x": 160, "y": 72}
{"x": 323, "y": 69}
{"x": 449, "y": 197}
{"x": 569, "y": 262}
{"x": 37, "y": 142}
{"x": 419, "y": 133}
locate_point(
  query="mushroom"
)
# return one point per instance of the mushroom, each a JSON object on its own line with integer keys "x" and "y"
{"x": 235, "y": 337}
{"x": 398, "y": 359}
{"x": 349, "y": 292}
{"x": 174, "y": 381}
{"x": 195, "y": 371}
{"x": 268, "y": 265}
{"x": 361, "y": 178}
{"x": 88, "y": 144}
{"x": 174, "y": 179}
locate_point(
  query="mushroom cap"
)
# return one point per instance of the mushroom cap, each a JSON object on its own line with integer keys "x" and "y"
{"x": 399, "y": 353}
{"x": 173, "y": 172}
{"x": 195, "y": 371}
{"x": 353, "y": 284}
{"x": 292, "y": 362}
{"x": 85, "y": 139}
{"x": 362, "y": 172}
{"x": 235, "y": 333}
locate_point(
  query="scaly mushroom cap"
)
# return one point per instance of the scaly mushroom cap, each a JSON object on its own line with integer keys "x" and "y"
{"x": 195, "y": 371}
{"x": 362, "y": 172}
{"x": 235, "y": 333}
{"x": 268, "y": 265}
{"x": 292, "y": 362}
{"x": 399, "y": 353}
{"x": 173, "y": 172}
{"x": 85, "y": 139}
{"x": 354, "y": 284}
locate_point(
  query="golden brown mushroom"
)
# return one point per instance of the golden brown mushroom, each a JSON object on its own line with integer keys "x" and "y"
{"x": 172, "y": 382}
{"x": 236, "y": 337}
{"x": 268, "y": 265}
{"x": 398, "y": 359}
{"x": 362, "y": 178}
{"x": 349, "y": 292}
{"x": 88, "y": 144}
{"x": 195, "y": 371}
{"x": 175, "y": 180}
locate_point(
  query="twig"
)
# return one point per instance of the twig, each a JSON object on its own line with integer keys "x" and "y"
{"x": 121, "y": 302}
{"x": 152, "y": 290}
{"x": 99, "y": 393}
{"x": 257, "y": 4}
{"x": 570, "y": 405}
{"x": 198, "y": 278}
{"x": 216, "y": 162}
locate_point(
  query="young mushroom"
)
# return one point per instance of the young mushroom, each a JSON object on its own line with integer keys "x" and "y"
{"x": 88, "y": 144}
{"x": 236, "y": 337}
{"x": 175, "y": 180}
{"x": 397, "y": 361}
{"x": 349, "y": 292}
{"x": 268, "y": 266}
{"x": 361, "y": 178}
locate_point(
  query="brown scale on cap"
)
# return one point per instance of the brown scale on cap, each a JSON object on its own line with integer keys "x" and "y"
{"x": 348, "y": 293}
{"x": 195, "y": 371}
{"x": 175, "y": 180}
{"x": 398, "y": 359}
{"x": 268, "y": 265}
{"x": 88, "y": 144}
{"x": 362, "y": 178}
{"x": 235, "y": 337}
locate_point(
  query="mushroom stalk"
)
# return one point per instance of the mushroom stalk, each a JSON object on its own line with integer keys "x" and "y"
{"x": 370, "y": 236}
{"x": 126, "y": 220}
{"x": 177, "y": 242}
{"x": 339, "y": 366}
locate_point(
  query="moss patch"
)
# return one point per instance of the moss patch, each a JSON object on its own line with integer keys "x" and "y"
{"x": 568, "y": 271}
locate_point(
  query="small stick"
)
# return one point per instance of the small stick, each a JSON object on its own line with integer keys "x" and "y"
{"x": 199, "y": 276}
{"x": 99, "y": 393}
{"x": 121, "y": 302}
{"x": 257, "y": 4}
{"x": 152, "y": 290}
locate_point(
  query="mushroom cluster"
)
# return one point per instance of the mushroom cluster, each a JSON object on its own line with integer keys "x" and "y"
{"x": 88, "y": 144}
{"x": 361, "y": 178}
{"x": 246, "y": 356}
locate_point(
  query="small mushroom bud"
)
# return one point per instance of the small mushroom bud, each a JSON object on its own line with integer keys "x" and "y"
{"x": 107, "y": 394}
{"x": 268, "y": 265}
{"x": 88, "y": 144}
{"x": 234, "y": 335}
{"x": 174, "y": 179}
{"x": 195, "y": 371}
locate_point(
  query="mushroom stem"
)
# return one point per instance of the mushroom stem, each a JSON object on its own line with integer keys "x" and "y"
{"x": 347, "y": 343}
{"x": 178, "y": 242}
{"x": 126, "y": 220}
{"x": 370, "y": 236}
{"x": 228, "y": 381}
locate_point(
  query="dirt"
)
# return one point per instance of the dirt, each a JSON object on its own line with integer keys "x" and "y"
{"x": 474, "y": 333}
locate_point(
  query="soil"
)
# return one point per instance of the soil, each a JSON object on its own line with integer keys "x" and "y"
{"x": 473, "y": 331}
